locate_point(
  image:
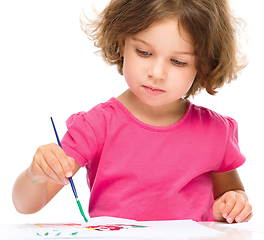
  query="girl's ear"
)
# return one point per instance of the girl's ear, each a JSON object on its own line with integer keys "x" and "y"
{"x": 121, "y": 46}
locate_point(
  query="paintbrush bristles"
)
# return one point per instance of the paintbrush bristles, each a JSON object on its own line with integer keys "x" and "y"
{"x": 81, "y": 210}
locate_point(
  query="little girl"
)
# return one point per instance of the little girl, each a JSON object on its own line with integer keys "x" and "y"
{"x": 150, "y": 153}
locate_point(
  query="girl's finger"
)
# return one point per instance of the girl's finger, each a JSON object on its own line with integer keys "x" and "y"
{"x": 53, "y": 167}
{"x": 63, "y": 160}
{"x": 248, "y": 217}
{"x": 237, "y": 209}
{"x": 40, "y": 170}
{"x": 71, "y": 162}
{"x": 246, "y": 214}
{"x": 53, "y": 164}
{"x": 230, "y": 201}
{"x": 50, "y": 174}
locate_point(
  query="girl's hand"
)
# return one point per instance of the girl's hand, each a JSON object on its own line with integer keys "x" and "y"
{"x": 50, "y": 163}
{"x": 232, "y": 206}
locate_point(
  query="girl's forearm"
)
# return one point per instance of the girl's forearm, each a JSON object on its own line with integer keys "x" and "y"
{"x": 28, "y": 195}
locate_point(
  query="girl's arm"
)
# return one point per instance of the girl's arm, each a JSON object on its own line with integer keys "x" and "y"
{"x": 46, "y": 176}
{"x": 231, "y": 201}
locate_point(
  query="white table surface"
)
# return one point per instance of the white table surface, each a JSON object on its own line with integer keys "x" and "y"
{"x": 232, "y": 234}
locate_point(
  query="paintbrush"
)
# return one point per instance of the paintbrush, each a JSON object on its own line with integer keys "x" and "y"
{"x": 70, "y": 178}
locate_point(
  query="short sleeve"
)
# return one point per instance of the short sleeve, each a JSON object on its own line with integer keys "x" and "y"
{"x": 80, "y": 141}
{"x": 233, "y": 158}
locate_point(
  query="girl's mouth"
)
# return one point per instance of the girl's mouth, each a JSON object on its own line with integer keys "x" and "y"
{"x": 153, "y": 90}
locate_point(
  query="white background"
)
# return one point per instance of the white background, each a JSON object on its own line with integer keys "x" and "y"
{"x": 48, "y": 68}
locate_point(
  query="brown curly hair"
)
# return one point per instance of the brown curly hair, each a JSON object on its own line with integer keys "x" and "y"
{"x": 209, "y": 23}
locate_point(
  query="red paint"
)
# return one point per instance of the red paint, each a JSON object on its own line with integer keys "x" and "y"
{"x": 105, "y": 228}
{"x": 98, "y": 227}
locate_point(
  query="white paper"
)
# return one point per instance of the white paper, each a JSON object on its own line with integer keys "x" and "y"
{"x": 187, "y": 229}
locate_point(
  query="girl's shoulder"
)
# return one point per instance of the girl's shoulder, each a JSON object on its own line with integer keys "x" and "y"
{"x": 100, "y": 111}
{"x": 209, "y": 118}
{"x": 207, "y": 113}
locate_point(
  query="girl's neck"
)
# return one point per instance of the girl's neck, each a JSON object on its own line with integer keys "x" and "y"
{"x": 164, "y": 115}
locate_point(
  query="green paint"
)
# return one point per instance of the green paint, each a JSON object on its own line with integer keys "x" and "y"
{"x": 73, "y": 234}
{"x": 46, "y": 234}
{"x": 34, "y": 182}
{"x": 81, "y": 210}
{"x": 138, "y": 226}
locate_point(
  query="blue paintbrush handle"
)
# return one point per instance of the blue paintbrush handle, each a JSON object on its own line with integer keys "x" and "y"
{"x": 70, "y": 179}
{"x": 73, "y": 188}
{"x": 58, "y": 140}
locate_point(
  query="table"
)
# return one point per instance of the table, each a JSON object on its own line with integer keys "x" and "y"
{"x": 232, "y": 234}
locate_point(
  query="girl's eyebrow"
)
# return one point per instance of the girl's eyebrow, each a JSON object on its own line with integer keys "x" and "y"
{"x": 140, "y": 40}
{"x": 176, "y": 52}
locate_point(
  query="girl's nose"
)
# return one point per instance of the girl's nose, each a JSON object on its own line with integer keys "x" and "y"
{"x": 157, "y": 70}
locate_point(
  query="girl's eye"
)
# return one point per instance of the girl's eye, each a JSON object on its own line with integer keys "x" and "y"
{"x": 143, "y": 53}
{"x": 178, "y": 63}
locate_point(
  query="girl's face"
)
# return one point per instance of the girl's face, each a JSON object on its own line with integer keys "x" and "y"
{"x": 159, "y": 65}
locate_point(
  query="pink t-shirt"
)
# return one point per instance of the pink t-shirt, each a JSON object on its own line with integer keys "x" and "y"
{"x": 143, "y": 172}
